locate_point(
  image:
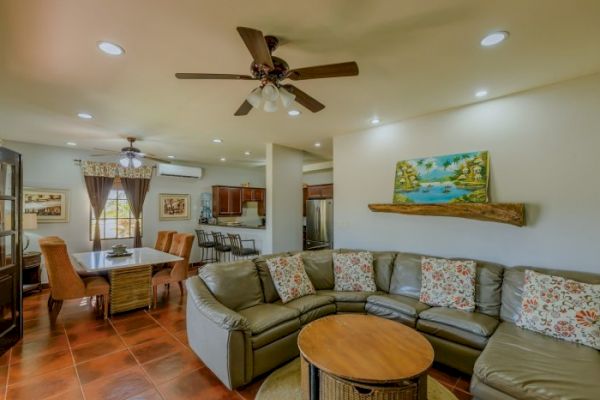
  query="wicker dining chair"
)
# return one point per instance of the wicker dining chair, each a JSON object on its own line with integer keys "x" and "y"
{"x": 65, "y": 283}
{"x": 237, "y": 246}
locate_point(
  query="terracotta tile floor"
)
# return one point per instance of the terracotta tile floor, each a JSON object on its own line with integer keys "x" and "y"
{"x": 138, "y": 355}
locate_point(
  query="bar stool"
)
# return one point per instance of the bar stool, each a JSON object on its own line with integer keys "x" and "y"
{"x": 237, "y": 246}
{"x": 221, "y": 246}
{"x": 207, "y": 247}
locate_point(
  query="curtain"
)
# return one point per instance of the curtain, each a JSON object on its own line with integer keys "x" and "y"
{"x": 135, "y": 190}
{"x": 98, "y": 188}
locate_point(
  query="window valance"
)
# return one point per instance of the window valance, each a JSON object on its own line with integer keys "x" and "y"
{"x": 112, "y": 170}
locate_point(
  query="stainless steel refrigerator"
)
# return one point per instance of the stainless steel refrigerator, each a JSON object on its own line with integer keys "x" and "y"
{"x": 319, "y": 224}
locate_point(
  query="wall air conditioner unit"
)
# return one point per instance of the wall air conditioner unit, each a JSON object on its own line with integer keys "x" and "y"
{"x": 179, "y": 171}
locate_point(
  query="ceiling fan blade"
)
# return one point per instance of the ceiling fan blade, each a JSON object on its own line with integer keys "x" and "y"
{"x": 307, "y": 101}
{"x": 157, "y": 159}
{"x": 244, "y": 109}
{"x": 324, "y": 71}
{"x": 193, "y": 75}
{"x": 256, "y": 44}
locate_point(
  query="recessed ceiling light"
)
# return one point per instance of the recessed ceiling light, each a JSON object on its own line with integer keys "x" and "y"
{"x": 84, "y": 115}
{"x": 317, "y": 144}
{"x": 375, "y": 121}
{"x": 223, "y": 159}
{"x": 494, "y": 38}
{"x": 71, "y": 144}
{"x": 481, "y": 93}
{"x": 110, "y": 48}
{"x": 170, "y": 156}
{"x": 217, "y": 140}
{"x": 294, "y": 113}
{"x": 247, "y": 153}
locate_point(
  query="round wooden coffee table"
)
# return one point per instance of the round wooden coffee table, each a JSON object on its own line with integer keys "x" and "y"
{"x": 364, "y": 355}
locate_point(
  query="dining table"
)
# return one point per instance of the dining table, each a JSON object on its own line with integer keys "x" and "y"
{"x": 130, "y": 274}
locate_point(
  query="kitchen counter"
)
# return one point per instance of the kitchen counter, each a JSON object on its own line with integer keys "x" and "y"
{"x": 236, "y": 226}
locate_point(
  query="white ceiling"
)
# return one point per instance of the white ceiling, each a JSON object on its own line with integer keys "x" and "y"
{"x": 415, "y": 57}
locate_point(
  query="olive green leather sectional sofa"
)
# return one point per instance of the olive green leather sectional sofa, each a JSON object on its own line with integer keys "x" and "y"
{"x": 238, "y": 326}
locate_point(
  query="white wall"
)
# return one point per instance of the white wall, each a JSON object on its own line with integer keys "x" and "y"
{"x": 544, "y": 149}
{"x": 318, "y": 177}
{"x": 53, "y": 167}
{"x": 284, "y": 199}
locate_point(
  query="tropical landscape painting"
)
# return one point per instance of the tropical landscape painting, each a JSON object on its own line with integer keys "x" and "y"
{"x": 453, "y": 178}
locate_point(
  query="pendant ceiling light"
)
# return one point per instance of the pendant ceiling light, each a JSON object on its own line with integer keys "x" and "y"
{"x": 130, "y": 161}
{"x": 255, "y": 97}
{"x": 268, "y": 95}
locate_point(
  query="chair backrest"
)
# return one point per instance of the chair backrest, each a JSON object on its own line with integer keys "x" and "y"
{"x": 182, "y": 247}
{"x": 163, "y": 240}
{"x": 65, "y": 283}
{"x": 203, "y": 237}
{"x": 236, "y": 243}
{"x": 219, "y": 239}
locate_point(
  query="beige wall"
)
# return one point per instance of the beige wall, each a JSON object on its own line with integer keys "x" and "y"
{"x": 544, "y": 149}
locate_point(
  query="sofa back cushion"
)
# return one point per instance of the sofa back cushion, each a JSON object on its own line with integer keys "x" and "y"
{"x": 406, "y": 281}
{"x": 269, "y": 290}
{"x": 319, "y": 267}
{"x": 236, "y": 284}
{"x": 514, "y": 279}
{"x": 383, "y": 263}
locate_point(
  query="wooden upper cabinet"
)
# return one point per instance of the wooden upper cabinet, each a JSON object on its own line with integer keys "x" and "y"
{"x": 319, "y": 192}
{"x": 229, "y": 200}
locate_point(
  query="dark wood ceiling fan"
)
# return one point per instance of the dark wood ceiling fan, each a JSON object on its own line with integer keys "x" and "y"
{"x": 130, "y": 152}
{"x": 273, "y": 70}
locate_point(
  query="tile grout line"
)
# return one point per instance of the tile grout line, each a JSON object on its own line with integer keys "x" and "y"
{"x": 139, "y": 364}
{"x": 74, "y": 364}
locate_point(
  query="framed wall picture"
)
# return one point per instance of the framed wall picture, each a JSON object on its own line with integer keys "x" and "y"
{"x": 173, "y": 207}
{"x": 453, "y": 178}
{"x": 50, "y": 205}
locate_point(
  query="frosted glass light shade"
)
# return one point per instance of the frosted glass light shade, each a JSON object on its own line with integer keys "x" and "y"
{"x": 255, "y": 97}
{"x": 136, "y": 163}
{"x": 124, "y": 162}
{"x": 270, "y": 106}
{"x": 270, "y": 92}
{"x": 287, "y": 98}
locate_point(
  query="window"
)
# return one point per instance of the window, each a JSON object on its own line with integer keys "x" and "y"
{"x": 116, "y": 221}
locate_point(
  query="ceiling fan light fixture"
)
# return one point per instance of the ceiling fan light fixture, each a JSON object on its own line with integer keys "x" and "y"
{"x": 271, "y": 106}
{"x": 125, "y": 162}
{"x": 287, "y": 98}
{"x": 270, "y": 92}
{"x": 255, "y": 97}
{"x": 136, "y": 162}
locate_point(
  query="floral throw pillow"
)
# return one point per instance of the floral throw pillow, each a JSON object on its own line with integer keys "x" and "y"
{"x": 561, "y": 308}
{"x": 448, "y": 283}
{"x": 353, "y": 272}
{"x": 289, "y": 277}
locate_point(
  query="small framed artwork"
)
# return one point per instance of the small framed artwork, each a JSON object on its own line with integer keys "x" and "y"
{"x": 50, "y": 205}
{"x": 173, "y": 207}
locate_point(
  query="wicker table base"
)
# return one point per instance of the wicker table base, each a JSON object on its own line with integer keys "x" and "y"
{"x": 130, "y": 288}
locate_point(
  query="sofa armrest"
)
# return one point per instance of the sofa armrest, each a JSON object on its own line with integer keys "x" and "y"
{"x": 218, "y": 335}
{"x": 210, "y": 307}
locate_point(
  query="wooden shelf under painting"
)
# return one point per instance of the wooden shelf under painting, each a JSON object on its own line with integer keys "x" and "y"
{"x": 506, "y": 213}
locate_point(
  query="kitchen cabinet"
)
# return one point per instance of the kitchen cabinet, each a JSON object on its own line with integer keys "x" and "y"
{"x": 227, "y": 201}
{"x": 319, "y": 192}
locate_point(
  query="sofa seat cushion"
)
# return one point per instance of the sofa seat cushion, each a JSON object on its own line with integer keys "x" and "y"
{"x": 473, "y": 322}
{"x": 306, "y": 303}
{"x": 403, "y": 304}
{"x": 347, "y": 297}
{"x": 263, "y": 317}
{"x": 529, "y": 365}
{"x": 452, "y": 334}
{"x": 317, "y": 313}
{"x": 275, "y": 333}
